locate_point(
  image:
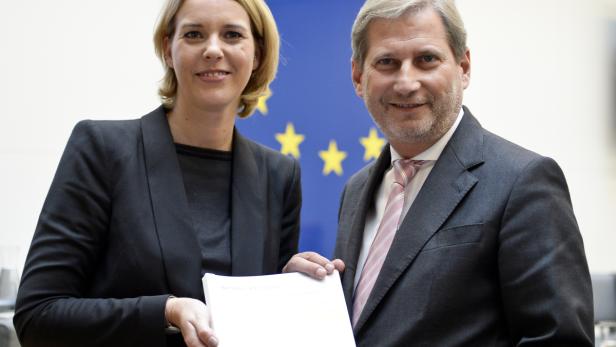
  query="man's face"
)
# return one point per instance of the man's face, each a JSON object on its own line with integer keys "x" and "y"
{"x": 410, "y": 80}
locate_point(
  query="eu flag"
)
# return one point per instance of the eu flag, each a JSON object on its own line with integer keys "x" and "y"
{"x": 313, "y": 113}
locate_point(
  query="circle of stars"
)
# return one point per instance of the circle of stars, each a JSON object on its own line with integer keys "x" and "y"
{"x": 332, "y": 157}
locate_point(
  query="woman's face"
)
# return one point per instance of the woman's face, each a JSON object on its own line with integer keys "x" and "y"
{"x": 212, "y": 53}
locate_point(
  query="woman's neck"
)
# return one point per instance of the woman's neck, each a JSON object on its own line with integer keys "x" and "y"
{"x": 199, "y": 128}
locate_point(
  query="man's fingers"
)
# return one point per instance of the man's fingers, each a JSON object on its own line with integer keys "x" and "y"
{"x": 338, "y": 264}
{"x": 301, "y": 264}
{"x": 310, "y": 263}
{"x": 315, "y": 258}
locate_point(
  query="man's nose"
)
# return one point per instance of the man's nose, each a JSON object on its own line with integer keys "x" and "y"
{"x": 407, "y": 81}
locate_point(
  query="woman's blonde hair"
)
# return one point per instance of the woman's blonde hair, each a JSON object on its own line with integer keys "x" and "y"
{"x": 267, "y": 44}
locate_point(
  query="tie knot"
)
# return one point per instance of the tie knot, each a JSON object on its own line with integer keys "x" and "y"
{"x": 405, "y": 169}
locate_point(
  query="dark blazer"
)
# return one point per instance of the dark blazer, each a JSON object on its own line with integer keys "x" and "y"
{"x": 115, "y": 239}
{"x": 488, "y": 255}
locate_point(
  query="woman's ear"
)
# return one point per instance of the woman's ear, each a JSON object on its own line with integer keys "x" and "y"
{"x": 257, "y": 59}
{"x": 167, "y": 52}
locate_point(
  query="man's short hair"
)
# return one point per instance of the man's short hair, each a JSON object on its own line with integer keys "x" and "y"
{"x": 391, "y": 9}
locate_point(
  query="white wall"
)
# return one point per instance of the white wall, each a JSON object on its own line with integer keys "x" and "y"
{"x": 63, "y": 61}
{"x": 539, "y": 79}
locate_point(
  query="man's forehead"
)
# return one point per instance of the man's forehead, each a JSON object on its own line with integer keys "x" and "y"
{"x": 421, "y": 28}
{"x": 426, "y": 23}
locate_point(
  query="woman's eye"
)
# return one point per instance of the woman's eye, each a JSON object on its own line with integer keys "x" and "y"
{"x": 233, "y": 35}
{"x": 192, "y": 35}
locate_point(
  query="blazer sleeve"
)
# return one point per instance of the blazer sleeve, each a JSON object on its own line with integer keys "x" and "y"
{"x": 52, "y": 307}
{"x": 544, "y": 276}
{"x": 289, "y": 238}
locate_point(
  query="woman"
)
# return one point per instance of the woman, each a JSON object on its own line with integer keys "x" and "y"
{"x": 140, "y": 209}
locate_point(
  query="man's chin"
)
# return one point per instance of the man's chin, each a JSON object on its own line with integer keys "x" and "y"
{"x": 414, "y": 131}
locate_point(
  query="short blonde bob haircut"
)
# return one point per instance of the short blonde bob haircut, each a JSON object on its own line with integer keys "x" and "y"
{"x": 267, "y": 44}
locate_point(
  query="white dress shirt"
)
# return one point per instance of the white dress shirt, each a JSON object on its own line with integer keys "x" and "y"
{"x": 375, "y": 214}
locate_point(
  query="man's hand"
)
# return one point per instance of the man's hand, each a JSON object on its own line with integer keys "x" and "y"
{"x": 313, "y": 265}
{"x": 192, "y": 317}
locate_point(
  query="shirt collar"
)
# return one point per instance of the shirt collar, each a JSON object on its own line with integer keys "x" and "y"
{"x": 434, "y": 151}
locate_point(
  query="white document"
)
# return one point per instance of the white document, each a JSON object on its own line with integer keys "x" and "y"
{"x": 278, "y": 311}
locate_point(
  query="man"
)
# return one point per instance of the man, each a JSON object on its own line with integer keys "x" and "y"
{"x": 454, "y": 236}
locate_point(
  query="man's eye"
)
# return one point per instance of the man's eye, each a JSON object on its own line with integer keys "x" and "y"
{"x": 385, "y": 61}
{"x": 427, "y": 58}
{"x": 192, "y": 35}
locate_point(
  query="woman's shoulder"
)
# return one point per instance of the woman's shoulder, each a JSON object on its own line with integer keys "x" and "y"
{"x": 114, "y": 131}
{"x": 104, "y": 134}
{"x": 107, "y": 126}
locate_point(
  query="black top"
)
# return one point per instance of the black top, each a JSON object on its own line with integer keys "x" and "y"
{"x": 115, "y": 236}
{"x": 207, "y": 180}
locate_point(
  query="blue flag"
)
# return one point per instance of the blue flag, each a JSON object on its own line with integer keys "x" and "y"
{"x": 313, "y": 113}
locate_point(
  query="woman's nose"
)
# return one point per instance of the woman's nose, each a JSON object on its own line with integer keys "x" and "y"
{"x": 212, "y": 50}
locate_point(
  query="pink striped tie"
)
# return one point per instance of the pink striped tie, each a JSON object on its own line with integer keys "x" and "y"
{"x": 404, "y": 170}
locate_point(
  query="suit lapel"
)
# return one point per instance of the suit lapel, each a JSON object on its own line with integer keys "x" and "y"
{"x": 447, "y": 184}
{"x": 248, "y": 201}
{"x": 364, "y": 204}
{"x": 173, "y": 223}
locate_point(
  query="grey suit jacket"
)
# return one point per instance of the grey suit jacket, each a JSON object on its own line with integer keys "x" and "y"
{"x": 115, "y": 238}
{"x": 489, "y": 254}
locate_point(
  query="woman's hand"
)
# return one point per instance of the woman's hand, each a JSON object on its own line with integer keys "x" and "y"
{"x": 192, "y": 317}
{"x": 313, "y": 265}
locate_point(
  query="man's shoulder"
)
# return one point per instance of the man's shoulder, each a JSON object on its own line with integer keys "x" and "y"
{"x": 359, "y": 178}
{"x": 506, "y": 152}
{"x": 474, "y": 141}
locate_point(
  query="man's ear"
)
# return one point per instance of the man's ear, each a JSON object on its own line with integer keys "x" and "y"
{"x": 465, "y": 65}
{"x": 356, "y": 75}
{"x": 167, "y": 52}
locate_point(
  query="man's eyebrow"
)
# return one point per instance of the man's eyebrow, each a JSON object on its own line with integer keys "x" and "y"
{"x": 429, "y": 50}
{"x": 384, "y": 54}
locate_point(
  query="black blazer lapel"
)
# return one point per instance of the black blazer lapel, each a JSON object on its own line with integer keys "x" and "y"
{"x": 248, "y": 201}
{"x": 447, "y": 184}
{"x": 174, "y": 229}
{"x": 364, "y": 204}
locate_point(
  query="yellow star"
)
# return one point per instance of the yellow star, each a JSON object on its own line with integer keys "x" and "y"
{"x": 262, "y": 103}
{"x": 373, "y": 145}
{"x": 333, "y": 159}
{"x": 290, "y": 141}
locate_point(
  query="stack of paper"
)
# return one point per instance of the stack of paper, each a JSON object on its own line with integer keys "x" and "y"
{"x": 278, "y": 311}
